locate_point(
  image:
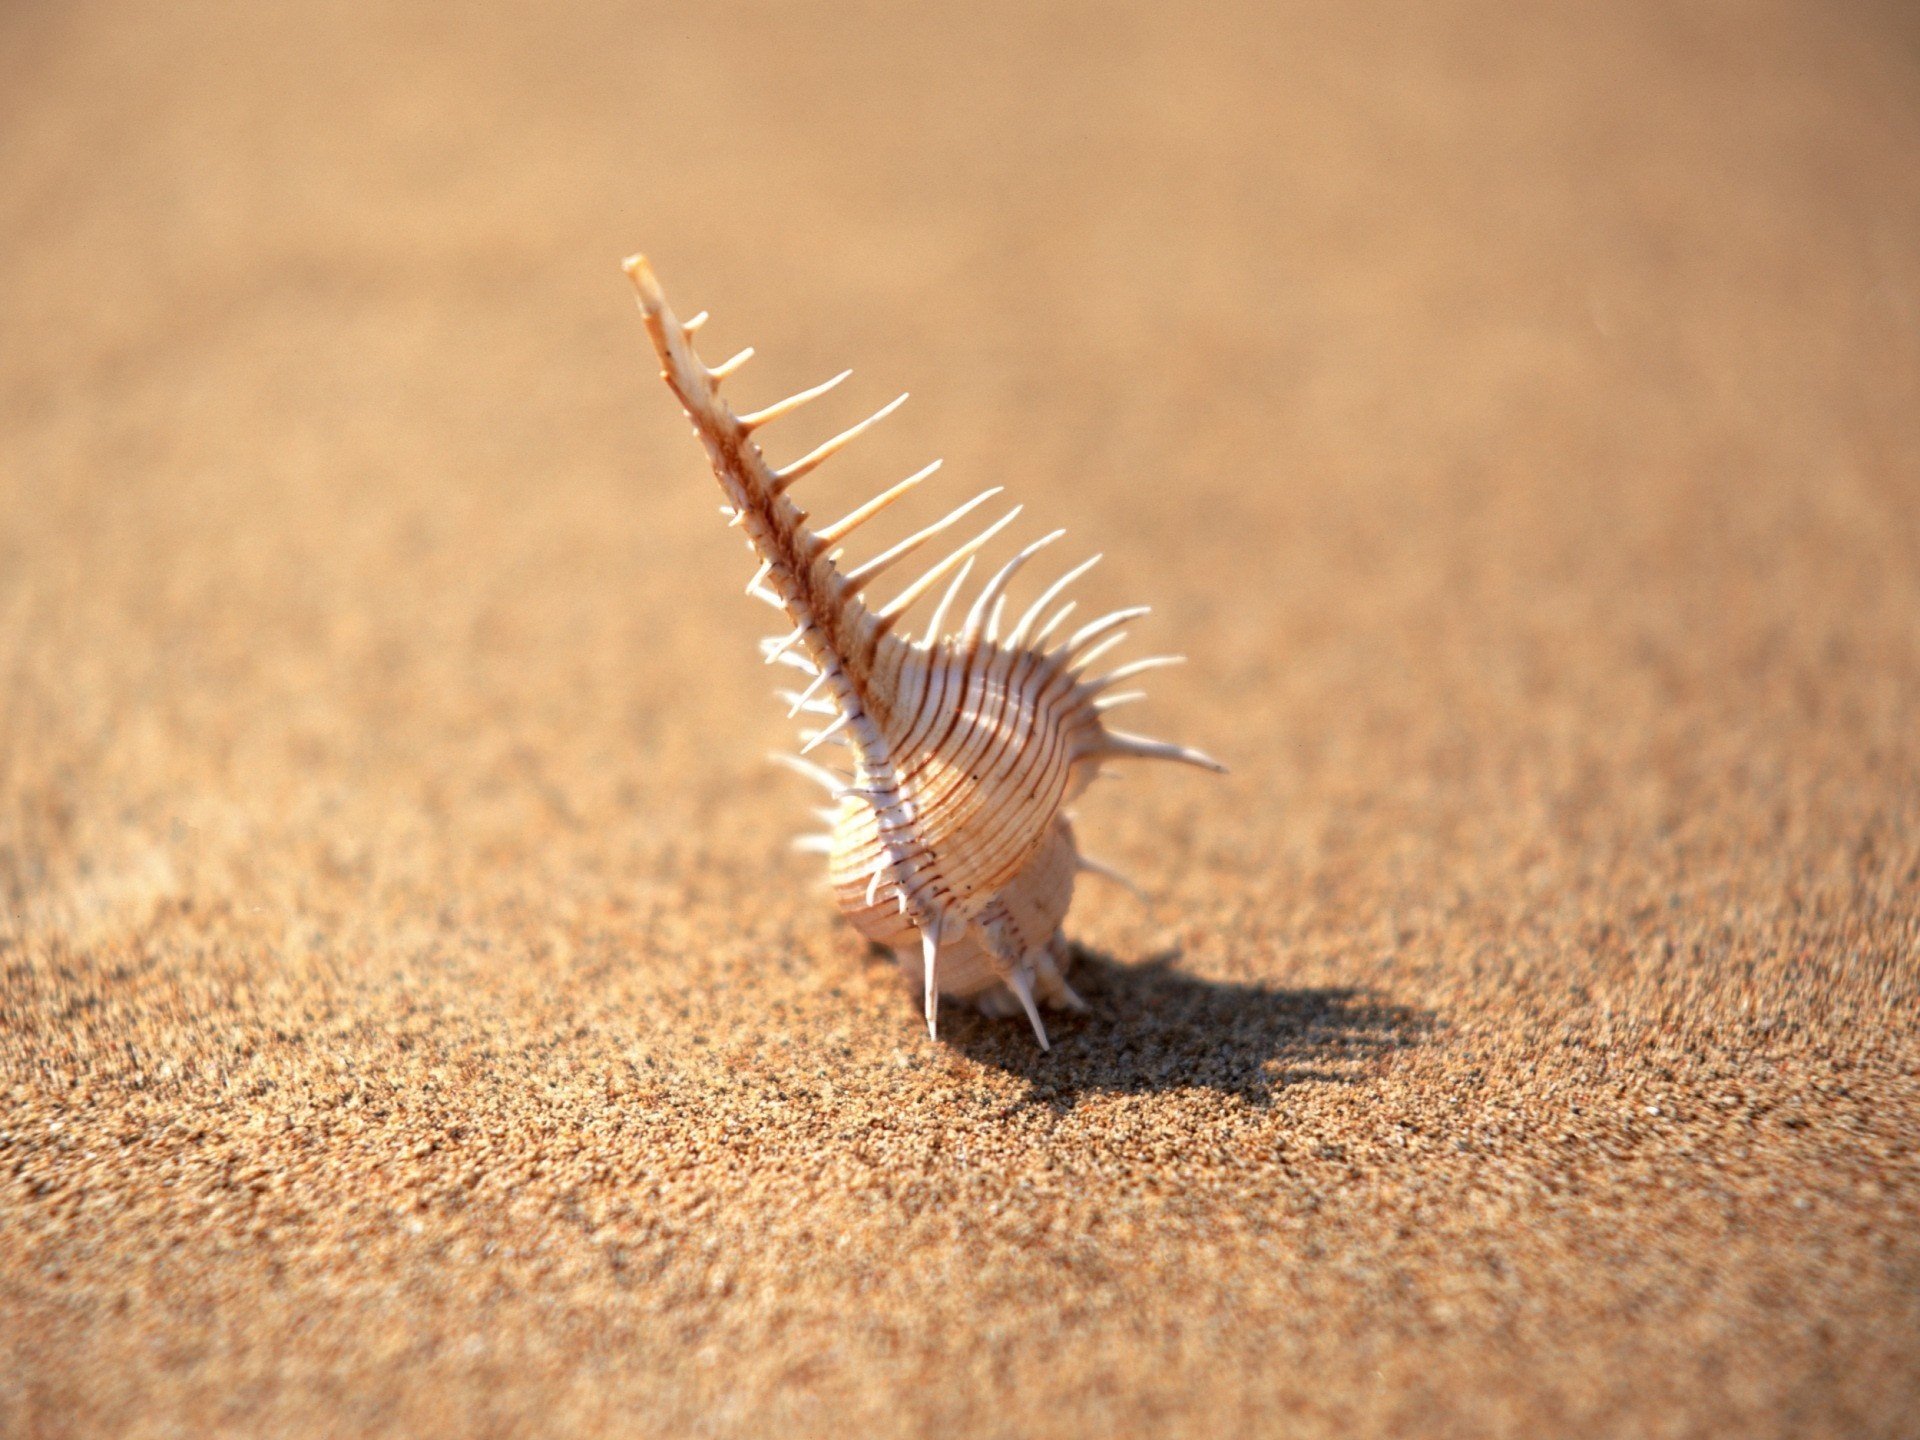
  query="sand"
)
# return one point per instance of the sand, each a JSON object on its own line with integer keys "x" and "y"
{"x": 412, "y": 1020}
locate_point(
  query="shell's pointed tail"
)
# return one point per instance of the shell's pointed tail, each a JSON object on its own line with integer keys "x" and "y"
{"x": 834, "y": 635}
{"x": 641, "y": 273}
{"x": 795, "y": 569}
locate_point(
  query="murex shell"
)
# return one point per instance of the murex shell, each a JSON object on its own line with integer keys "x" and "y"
{"x": 948, "y": 843}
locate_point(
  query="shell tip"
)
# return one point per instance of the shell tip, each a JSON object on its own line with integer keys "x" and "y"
{"x": 652, "y": 300}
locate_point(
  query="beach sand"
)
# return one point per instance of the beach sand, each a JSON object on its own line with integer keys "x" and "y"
{"x": 412, "y": 1018}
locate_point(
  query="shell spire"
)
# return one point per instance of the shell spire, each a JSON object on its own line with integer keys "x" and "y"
{"x": 948, "y": 843}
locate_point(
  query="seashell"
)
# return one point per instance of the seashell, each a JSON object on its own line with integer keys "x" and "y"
{"x": 947, "y": 842}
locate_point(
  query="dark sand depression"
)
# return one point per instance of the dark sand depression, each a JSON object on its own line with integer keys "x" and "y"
{"x": 411, "y": 1019}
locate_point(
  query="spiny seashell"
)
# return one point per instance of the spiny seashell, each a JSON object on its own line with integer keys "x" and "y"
{"x": 947, "y": 843}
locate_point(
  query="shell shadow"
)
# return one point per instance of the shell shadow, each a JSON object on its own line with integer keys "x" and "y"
{"x": 1152, "y": 1028}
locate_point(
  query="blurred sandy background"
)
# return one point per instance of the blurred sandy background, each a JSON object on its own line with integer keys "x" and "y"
{"x": 411, "y": 1019}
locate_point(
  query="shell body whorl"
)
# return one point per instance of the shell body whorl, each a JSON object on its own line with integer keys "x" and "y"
{"x": 948, "y": 842}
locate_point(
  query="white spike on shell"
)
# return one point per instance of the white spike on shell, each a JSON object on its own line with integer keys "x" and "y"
{"x": 949, "y": 839}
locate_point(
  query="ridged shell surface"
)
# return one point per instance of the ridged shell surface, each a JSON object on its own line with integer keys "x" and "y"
{"x": 948, "y": 842}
